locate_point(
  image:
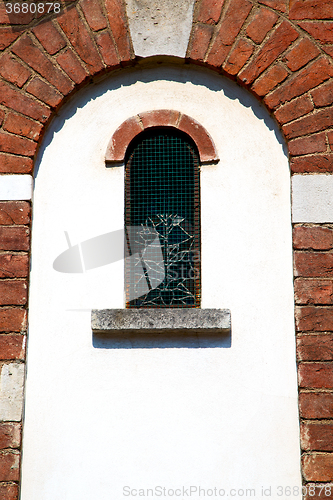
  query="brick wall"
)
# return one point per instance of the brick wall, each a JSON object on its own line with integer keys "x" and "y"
{"x": 282, "y": 52}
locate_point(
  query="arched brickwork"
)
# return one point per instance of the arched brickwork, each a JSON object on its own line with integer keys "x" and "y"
{"x": 281, "y": 50}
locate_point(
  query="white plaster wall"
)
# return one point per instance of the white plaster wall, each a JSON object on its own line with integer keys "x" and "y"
{"x": 102, "y": 416}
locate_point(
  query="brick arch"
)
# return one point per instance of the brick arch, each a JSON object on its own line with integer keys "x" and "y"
{"x": 281, "y": 51}
{"x": 130, "y": 128}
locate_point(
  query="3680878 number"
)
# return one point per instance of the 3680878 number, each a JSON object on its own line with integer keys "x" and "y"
{"x": 32, "y": 8}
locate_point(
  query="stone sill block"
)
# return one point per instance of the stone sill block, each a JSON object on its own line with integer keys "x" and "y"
{"x": 177, "y": 320}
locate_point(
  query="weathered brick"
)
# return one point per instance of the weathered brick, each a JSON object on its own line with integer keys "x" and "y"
{"x": 300, "y": 55}
{"x": 10, "y": 432}
{"x": 306, "y": 145}
{"x": 9, "y": 465}
{"x": 313, "y": 264}
{"x": 2, "y": 116}
{"x": 323, "y": 96}
{"x": 15, "y": 164}
{"x": 316, "y": 122}
{"x": 261, "y": 24}
{"x": 13, "y": 292}
{"x": 94, "y": 15}
{"x": 13, "y": 71}
{"x": 276, "y": 4}
{"x": 277, "y": 43}
{"x": 315, "y": 375}
{"x": 12, "y": 347}
{"x": 231, "y": 25}
{"x": 7, "y": 36}
{"x": 322, "y": 31}
{"x": 14, "y": 266}
{"x": 34, "y": 57}
{"x": 330, "y": 139}
{"x": 318, "y": 467}
{"x": 316, "y": 404}
{"x": 20, "y": 125}
{"x": 328, "y": 49}
{"x": 317, "y": 436}
{"x": 311, "y": 291}
{"x": 309, "y": 77}
{"x": 12, "y": 319}
{"x": 72, "y": 66}
{"x": 209, "y": 11}
{"x": 49, "y": 37}
{"x": 315, "y": 319}
{"x": 311, "y": 9}
{"x": 80, "y": 38}
{"x": 14, "y": 212}
{"x": 160, "y": 118}
{"x": 117, "y": 18}
{"x": 199, "y": 43}
{"x": 316, "y": 163}
{"x": 23, "y": 104}
{"x": 315, "y": 347}
{"x": 294, "y": 109}
{"x": 9, "y": 491}
{"x": 241, "y": 53}
{"x": 12, "y": 144}
{"x": 107, "y": 48}
{"x": 316, "y": 238}
{"x": 13, "y": 18}
{"x": 14, "y": 238}
{"x": 44, "y": 92}
{"x": 273, "y": 76}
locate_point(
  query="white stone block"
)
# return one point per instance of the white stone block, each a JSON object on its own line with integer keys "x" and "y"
{"x": 312, "y": 198}
{"x": 11, "y": 392}
{"x": 15, "y": 187}
{"x": 162, "y": 27}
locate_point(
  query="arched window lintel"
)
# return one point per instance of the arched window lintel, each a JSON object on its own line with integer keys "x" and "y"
{"x": 133, "y": 126}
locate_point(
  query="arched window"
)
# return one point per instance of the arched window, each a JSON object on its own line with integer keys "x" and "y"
{"x": 162, "y": 197}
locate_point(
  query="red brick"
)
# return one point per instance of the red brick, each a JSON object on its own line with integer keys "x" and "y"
{"x": 12, "y": 319}
{"x": 323, "y": 96}
{"x": 294, "y": 109}
{"x": 231, "y": 25}
{"x": 328, "y": 49}
{"x": 15, "y": 164}
{"x": 261, "y": 24}
{"x": 2, "y": 116}
{"x": 94, "y": 15}
{"x": 322, "y": 31}
{"x": 160, "y": 118}
{"x": 316, "y": 404}
{"x": 44, "y": 92}
{"x": 12, "y": 347}
{"x": 300, "y": 55}
{"x": 309, "y": 77}
{"x": 316, "y": 238}
{"x": 209, "y": 11}
{"x": 315, "y": 375}
{"x": 311, "y": 9}
{"x": 9, "y": 465}
{"x": 23, "y": 104}
{"x": 318, "y": 467}
{"x": 316, "y": 163}
{"x": 276, "y": 4}
{"x": 199, "y": 135}
{"x": 121, "y": 138}
{"x": 79, "y": 37}
{"x": 71, "y": 65}
{"x": 19, "y": 145}
{"x": 20, "y": 18}
{"x": 14, "y": 238}
{"x": 7, "y": 36}
{"x": 107, "y": 48}
{"x": 330, "y": 139}
{"x": 241, "y": 53}
{"x": 277, "y": 43}
{"x": 13, "y": 292}
{"x": 14, "y": 212}
{"x": 34, "y": 57}
{"x": 310, "y": 291}
{"x": 273, "y": 76}
{"x": 49, "y": 37}
{"x": 14, "y": 266}
{"x": 316, "y": 319}
{"x": 9, "y": 491}
{"x": 10, "y": 433}
{"x": 117, "y": 18}
{"x": 316, "y": 122}
{"x": 315, "y": 347}
{"x": 313, "y": 264}
{"x": 200, "y": 40}
{"x": 20, "y": 125}
{"x": 307, "y": 145}
{"x": 317, "y": 436}
{"x": 13, "y": 71}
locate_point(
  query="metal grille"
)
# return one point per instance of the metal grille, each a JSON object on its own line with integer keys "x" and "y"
{"x": 162, "y": 196}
